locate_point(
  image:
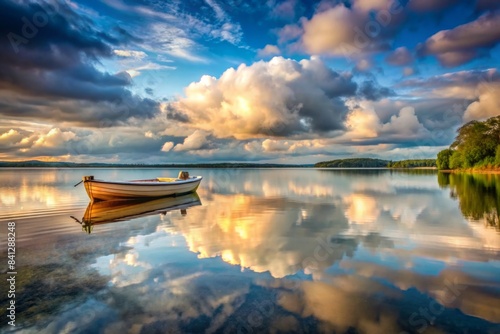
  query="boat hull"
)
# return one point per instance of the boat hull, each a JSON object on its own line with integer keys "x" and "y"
{"x": 104, "y": 190}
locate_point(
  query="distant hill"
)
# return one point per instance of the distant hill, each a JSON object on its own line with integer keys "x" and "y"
{"x": 353, "y": 163}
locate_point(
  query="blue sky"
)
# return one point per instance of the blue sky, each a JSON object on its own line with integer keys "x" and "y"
{"x": 273, "y": 81}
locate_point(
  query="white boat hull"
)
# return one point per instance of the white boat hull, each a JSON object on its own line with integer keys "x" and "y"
{"x": 107, "y": 190}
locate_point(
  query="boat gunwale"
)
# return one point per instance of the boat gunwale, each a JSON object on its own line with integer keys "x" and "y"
{"x": 154, "y": 183}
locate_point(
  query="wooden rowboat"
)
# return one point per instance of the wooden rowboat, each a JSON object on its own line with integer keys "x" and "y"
{"x": 100, "y": 190}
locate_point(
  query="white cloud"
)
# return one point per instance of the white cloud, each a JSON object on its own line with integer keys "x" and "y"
{"x": 350, "y": 32}
{"x": 10, "y": 137}
{"x": 167, "y": 146}
{"x": 130, "y": 54}
{"x": 134, "y": 72}
{"x": 369, "y": 5}
{"x": 270, "y": 145}
{"x": 174, "y": 41}
{"x": 268, "y": 50}
{"x": 289, "y": 32}
{"x": 54, "y": 138}
{"x": 276, "y": 98}
{"x": 225, "y": 29}
{"x": 195, "y": 141}
{"x": 487, "y": 104}
{"x": 406, "y": 123}
{"x": 363, "y": 123}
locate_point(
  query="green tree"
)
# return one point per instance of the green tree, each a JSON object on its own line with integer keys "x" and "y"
{"x": 443, "y": 159}
{"x": 476, "y": 140}
{"x": 456, "y": 160}
{"x": 497, "y": 157}
{"x": 476, "y": 145}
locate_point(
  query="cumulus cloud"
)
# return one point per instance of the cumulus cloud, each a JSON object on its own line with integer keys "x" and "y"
{"x": 289, "y": 33}
{"x": 197, "y": 140}
{"x": 464, "y": 43}
{"x": 351, "y": 31}
{"x": 318, "y": 32}
{"x": 167, "y": 146}
{"x": 406, "y": 123}
{"x": 10, "y": 137}
{"x": 364, "y": 123}
{"x": 276, "y": 98}
{"x": 487, "y": 104}
{"x": 54, "y": 138}
{"x": 400, "y": 57}
{"x": 270, "y": 145}
{"x": 268, "y": 50}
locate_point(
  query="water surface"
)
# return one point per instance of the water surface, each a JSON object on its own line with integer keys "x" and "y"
{"x": 260, "y": 250}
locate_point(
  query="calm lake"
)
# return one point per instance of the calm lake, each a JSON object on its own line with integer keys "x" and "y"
{"x": 256, "y": 250}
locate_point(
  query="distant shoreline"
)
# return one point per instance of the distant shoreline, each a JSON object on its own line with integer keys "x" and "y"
{"x": 357, "y": 163}
{"x": 92, "y": 165}
{"x": 471, "y": 171}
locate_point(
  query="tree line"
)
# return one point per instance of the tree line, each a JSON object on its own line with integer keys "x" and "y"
{"x": 352, "y": 163}
{"x": 375, "y": 163}
{"x": 414, "y": 163}
{"x": 477, "y": 145}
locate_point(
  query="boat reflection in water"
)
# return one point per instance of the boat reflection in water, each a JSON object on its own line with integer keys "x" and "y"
{"x": 120, "y": 210}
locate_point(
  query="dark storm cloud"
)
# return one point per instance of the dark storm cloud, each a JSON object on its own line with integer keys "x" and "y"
{"x": 79, "y": 112}
{"x": 487, "y": 4}
{"x": 48, "y": 50}
{"x": 430, "y": 5}
{"x": 372, "y": 91}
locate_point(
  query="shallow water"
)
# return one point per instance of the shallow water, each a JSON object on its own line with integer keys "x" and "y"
{"x": 261, "y": 250}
